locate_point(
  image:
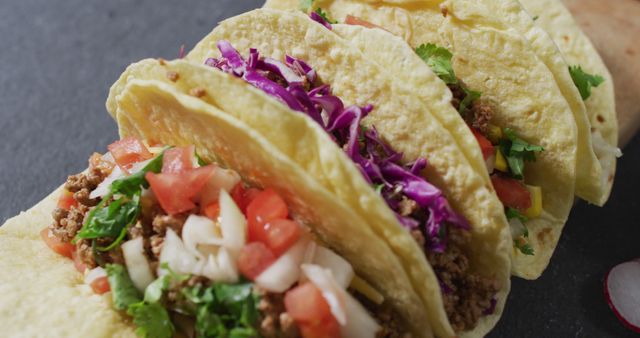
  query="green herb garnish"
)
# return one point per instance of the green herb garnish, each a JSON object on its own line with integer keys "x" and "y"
{"x": 512, "y": 213}
{"x": 123, "y": 292}
{"x": 525, "y": 248}
{"x": 536, "y": 17}
{"x": 325, "y": 16}
{"x": 516, "y": 151}
{"x": 584, "y": 81}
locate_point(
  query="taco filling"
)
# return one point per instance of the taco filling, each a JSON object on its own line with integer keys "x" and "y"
{"x": 188, "y": 247}
{"x": 419, "y": 206}
{"x": 504, "y": 152}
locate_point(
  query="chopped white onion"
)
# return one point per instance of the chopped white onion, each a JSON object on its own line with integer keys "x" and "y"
{"x": 222, "y": 179}
{"x": 199, "y": 230}
{"x": 285, "y": 270}
{"x": 339, "y": 267}
{"x": 107, "y": 157}
{"x": 155, "y": 150}
{"x": 136, "y": 167}
{"x": 353, "y": 318}
{"x": 220, "y": 268}
{"x": 517, "y": 228}
{"x": 232, "y": 223}
{"x": 606, "y": 154}
{"x": 176, "y": 255}
{"x": 137, "y": 265}
{"x": 105, "y": 186}
{"x": 94, "y": 274}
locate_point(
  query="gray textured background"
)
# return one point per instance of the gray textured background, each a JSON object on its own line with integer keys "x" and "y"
{"x": 58, "y": 59}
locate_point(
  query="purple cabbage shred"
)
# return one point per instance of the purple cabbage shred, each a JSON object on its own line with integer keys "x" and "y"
{"x": 293, "y": 83}
{"x": 319, "y": 19}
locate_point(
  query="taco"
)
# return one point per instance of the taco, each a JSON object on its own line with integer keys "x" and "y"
{"x": 369, "y": 140}
{"x": 591, "y": 77}
{"x": 483, "y": 66}
{"x": 469, "y": 29}
{"x": 219, "y": 235}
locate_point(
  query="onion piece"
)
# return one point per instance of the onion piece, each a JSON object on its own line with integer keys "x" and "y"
{"x": 220, "y": 268}
{"x": 517, "y": 228}
{"x": 622, "y": 291}
{"x": 176, "y": 255}
{"x": 222, "y": 179}
{"x": 136, "y": 167}
{"x": 341, "y": 270}
{"x": 232, "y": 223}
{"x": 353, "y": 318}
{"x": 137, "y": 265}
{"x": 284, "y": 272}
{"x": 105, "y": 186}
{"x": 108, "y": 157}
{"x": 94, "y": 274}
{"x": 199, "y": 230}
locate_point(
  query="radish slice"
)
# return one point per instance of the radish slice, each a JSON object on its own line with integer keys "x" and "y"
{"x": 176, "y": 255}
{"x": 94, "y": 274}
{"x": 280, "y": 275}
{"x": 232, "y": 223}
{"x": 622, "y": 291}
{"x": 339, "y": 267}
{"x": 222, "y": 179}
{"x": 353, "y": 318}
{"x": 105, "y": 186}
{"x": 199, "y": 230}
{"x": 137, "y": 264}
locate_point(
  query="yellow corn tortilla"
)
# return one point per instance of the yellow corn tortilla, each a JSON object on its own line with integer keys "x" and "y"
{"x": 422, "y": 21}
{"x": 42, "y": 292}
{"x": 403, "y": 120}
{"x": 491, "y": 57}
{"x": 553, "y": 17}
{"x": 156, "y": 112}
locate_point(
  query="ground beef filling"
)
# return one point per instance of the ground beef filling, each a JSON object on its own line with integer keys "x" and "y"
{"x": 467, "y": 295}
{"x": 478, "y": 114}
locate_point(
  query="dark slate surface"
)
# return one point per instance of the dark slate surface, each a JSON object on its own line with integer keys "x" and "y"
{"x": 58, "y": 59}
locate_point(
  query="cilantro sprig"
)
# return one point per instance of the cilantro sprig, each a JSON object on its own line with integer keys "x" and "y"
{"x": 517, "y": 151}
{"x": 584, "y": 81}
{"x": 439, "y": 60}
{"x": 113, "y": 218}
{"x": 521, "y": 242}
{"x": 325, "y": 16}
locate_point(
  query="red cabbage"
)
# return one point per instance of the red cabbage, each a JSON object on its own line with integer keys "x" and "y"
{"x": 319, "y": 19}
{"x": 293, "y": 82}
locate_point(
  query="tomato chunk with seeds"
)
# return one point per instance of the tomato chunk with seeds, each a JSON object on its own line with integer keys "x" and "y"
{"x": 175, "y": 192}
{"x": 128, "y": 151}
{"x": 254, "y": 258}
{"x": 511, "y": 192}
{"x": 55, "y": 244}
{"x": 266, "y": 206}
{"x": 66, "y": 200}
{"x": 177, "y": 160}
{"x": 308, "y": 308}
{"x": 100, "y": 285}
{"x": 281, "y": 235}
{"x": 485, "y": 145}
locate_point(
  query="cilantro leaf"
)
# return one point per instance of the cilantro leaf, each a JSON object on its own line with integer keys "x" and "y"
{"x": 131, "y": 185}
{"x": 469, "y": 97}
{"x": 525, "y": 248}
{"x": 153, "y": 292}
{"x": 536, "y": 17}
{"x": 325, "y": 16}
{"x": 439, "y": 59}
{"x": 224, "y": 309}
{"x": 305, "y": 5}
{"x": 151, "y": 320}
{"x": 512, "y": 213}
{"x": 584, "y": 81}
{"x": 123, "y": 292}
{"x": 516, "y": 151}
{"x": 109, "y": 221}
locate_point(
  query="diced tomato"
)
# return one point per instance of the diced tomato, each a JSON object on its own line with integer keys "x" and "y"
{"x": 266, "y": 206}
{"x": 329, "y": 328}
{"x": 77, "y": 262}
{"x": 308, "y": 308}
{"x": 101, "y": 285}
{"x": 175, "y": 192}
{"x": 249, "y": 195}
{"x": 485, "y": 145}
{"x": 354, "y": 20}
{"x": 237, "y": 194}
{"x": 511, "y": 192}
{"x": 212, "y": 210}
{"x": 177, "y": 160}
{"x": 281, "y": 235}
{"x": 66, "y": 200}
{"x": 58, "y": 246}
{"x": 254, "y": 258}
{"x": 128, "y": 151}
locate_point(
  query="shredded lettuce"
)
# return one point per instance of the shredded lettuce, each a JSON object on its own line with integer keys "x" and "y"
{"x": 379, "y": 164}
{"x": 584, "y": 81}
